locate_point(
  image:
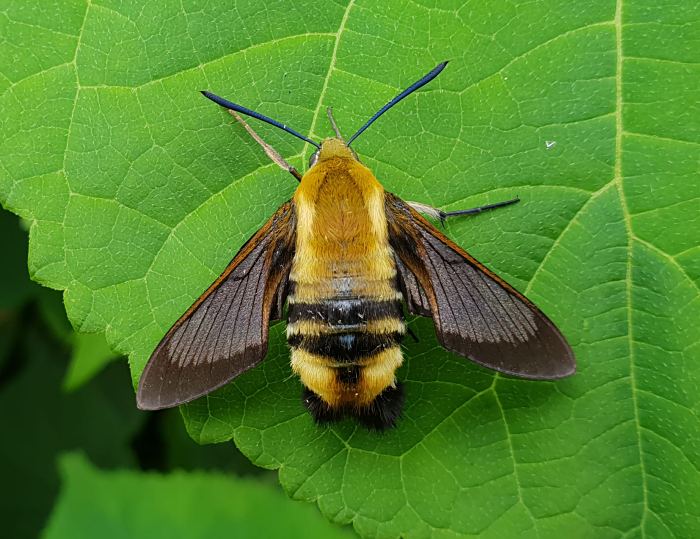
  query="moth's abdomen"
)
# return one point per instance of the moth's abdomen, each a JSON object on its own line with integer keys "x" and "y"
{"x": 345, "y": 319}
{"x": 346, "y": 349}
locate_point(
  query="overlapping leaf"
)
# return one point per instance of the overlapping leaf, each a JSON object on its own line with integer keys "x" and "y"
{"x": 189, "y": 505}
{"x": 139, "y": 192}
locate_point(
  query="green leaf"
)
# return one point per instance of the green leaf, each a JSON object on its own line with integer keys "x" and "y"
{"x": 40, "y": 421}
{"x": 139, "y": 192}
{"x": 91, "y": 353}
{"x": 192, "y": 505}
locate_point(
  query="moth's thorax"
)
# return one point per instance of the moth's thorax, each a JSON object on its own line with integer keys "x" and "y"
{"x": 341, "y": 231}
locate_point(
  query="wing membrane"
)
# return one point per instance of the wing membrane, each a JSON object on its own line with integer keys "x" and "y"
{"x": 225, "y": 332}
{"x": 476, "y": 313}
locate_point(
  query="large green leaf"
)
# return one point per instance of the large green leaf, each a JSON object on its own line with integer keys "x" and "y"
{"x": 139, "y": 191}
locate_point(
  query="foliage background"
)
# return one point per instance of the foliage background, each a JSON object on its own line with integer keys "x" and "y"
{"x": 137, "y": 192}
{"x": 64, "y": 401}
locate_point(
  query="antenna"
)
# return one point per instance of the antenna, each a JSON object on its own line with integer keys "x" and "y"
{"x": 243, "y": 110}
{"x": 329, "y": 111}
{"x": 412, "y": 88}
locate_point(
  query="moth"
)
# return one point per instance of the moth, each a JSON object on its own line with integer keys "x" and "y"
{"x": 345, "y": 257}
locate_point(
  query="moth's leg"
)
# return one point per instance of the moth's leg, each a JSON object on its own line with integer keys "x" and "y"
{"x": 440, "y": 215}
{"x": 269, "y": 150}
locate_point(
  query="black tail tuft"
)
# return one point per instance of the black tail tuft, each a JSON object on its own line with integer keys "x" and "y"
{"x": 319, "y": 410}
{"x": 381, "y": 414}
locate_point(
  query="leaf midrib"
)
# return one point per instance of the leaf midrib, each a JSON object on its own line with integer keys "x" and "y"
{"x": 331, "y": 67}
{"x": 618, "y": 180}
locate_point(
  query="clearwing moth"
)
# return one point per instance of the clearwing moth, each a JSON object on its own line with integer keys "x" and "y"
{"x": 345, "y": 257}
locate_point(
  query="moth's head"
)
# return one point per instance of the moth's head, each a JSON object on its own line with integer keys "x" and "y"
{"x": 330, "y": 148}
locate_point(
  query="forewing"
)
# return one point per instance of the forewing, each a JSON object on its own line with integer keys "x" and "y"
{"x": 225, "y": 332}
{"x": 476, "y": 313}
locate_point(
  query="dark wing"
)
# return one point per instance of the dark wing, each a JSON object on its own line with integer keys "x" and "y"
{"x": 476, "y": 313}
{"x": 416, "y": 300}
{"x": 225, "y": 332}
